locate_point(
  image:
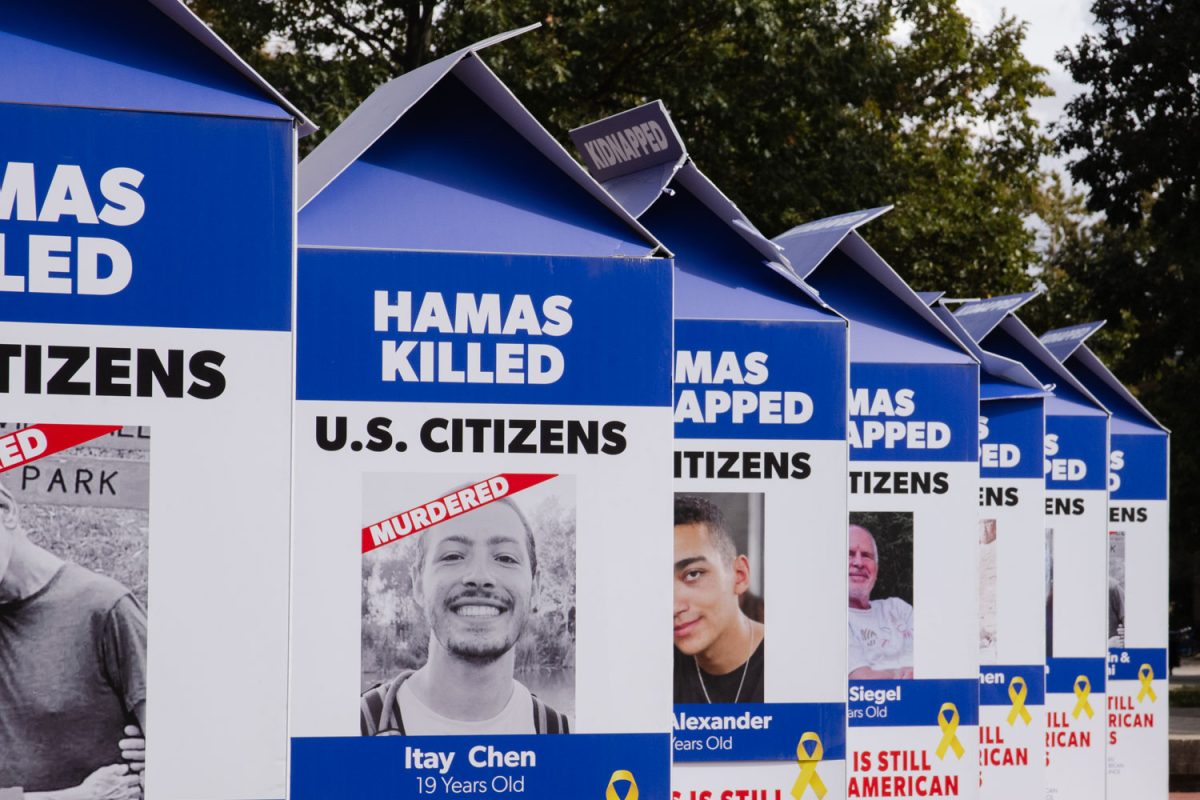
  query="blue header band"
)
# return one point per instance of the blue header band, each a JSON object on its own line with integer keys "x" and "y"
{"x": 543, "y": 767}
{"x": 1062, "y": 672}
{"x": 756, "y": 731}
{"x": 914, "y": 412}
{"x": 1124, "y": 664}
{"x": 1138, "y": 467}
{"x": 475, "y": 328}
{"x": 1011, "y": 439}
{"x": 911, "y": 703}
{"x": 995, "y": 681}
{"x": 1075, "y": 453}
{"x": 143, "y": 219}
{"x": 760, "y": 380}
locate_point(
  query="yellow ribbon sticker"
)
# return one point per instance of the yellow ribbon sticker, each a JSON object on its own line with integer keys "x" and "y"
{"x": 621, "y": 775}
{"x": 949, "y": 726}
{"x": 1017, "y": 696}
{"x": 808, "y": 767}
{"x": 1146, "y": 676}
{"x": 1083, "y": 688}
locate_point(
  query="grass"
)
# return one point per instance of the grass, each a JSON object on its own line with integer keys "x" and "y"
{"x": 111, "y": 541}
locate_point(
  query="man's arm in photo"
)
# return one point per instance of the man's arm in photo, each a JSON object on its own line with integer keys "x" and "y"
{"x": 123, "y": 647}
{"x": 114, "y": 782}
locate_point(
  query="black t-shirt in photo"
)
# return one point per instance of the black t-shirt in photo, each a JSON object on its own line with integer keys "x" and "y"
{"x": 721, "y": 688}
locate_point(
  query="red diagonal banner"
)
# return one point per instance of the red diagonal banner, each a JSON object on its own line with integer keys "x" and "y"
{"x": 38, "y": 441}
{"x": 448, "y": 506}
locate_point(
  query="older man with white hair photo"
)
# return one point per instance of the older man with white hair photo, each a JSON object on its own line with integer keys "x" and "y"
{"x": 881, "y": 629}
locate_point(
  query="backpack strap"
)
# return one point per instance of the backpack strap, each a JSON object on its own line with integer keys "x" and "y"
{"x": 380, "y": 708}
{"x": 547, "y": 720}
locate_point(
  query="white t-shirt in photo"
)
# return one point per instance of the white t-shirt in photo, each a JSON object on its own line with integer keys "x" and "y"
{"x": 881, "y": 637}
{"x": 421, "y": 720}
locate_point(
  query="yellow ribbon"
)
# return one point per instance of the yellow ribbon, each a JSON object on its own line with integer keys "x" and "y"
{"x": 949, "y": 726}
{"x": 808, "y": 767}
{"x": 1146, "y": 676}
{"x": 1083, "y": 688}
{"x": 621, "y": 775}
{"x": 1017, "y": 696}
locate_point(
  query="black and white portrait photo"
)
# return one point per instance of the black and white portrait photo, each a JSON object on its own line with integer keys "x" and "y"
{"x": 468, "y": 623}
{"x": 74, "y": 535}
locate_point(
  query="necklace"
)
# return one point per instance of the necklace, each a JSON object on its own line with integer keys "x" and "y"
{"x": 741, "y": 683}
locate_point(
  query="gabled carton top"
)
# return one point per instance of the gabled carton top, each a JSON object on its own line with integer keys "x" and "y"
{"x": 1000, "y": 378}
{"x": 724, "y": 267}
{"x": 1006, "y": 335}
{"x": 129, "y": 55}
{"x": 1129, "y": 416}
{"x": 890, "y": 323}
{"x": 445, "y": 158}
{"x": 980, "y": 317}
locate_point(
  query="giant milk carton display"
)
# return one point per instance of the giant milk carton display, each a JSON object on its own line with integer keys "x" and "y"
{"x": 913, "y": 591}
{"x": 1137, "y": 574}
{"x": 482, "y": 460}
{"x": 1076, "y": 454}
{"x": 1012, "y": 546}
{"x": 759, "y": 634}
{"x": 146, "y": 231}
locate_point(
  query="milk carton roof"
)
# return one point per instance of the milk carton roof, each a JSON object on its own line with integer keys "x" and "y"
{"x": 979, "y": 317}
{"x": 390, "y": 103}
{"x": 1012, "y": 339}
{"x": 719, "y": 254}
{"x": 717, "y": 275}
{"x": 1064, "y": 341}
{"x": 1129, "y": 415}
{"x": 809, "y": 244}
{"x": 129, "y": 55}
{"x": 890, "y": 322}
{"x": 1000, "y": 378}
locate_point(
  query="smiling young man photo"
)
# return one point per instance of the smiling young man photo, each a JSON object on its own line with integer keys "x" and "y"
{"x": 718, "y": 649}
{"x": 474, "y": 579}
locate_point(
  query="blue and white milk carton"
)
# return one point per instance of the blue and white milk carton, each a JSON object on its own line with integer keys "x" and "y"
{"x": 758, "y": 572}
{"x": 483, "y": 454}
{"x": 147, "y": 181}
{"x": 913, "y": 654}
{"x": 1012, "y": 546}
{"x": 1138, "y": 573}
{"x": 1075, "y": 459}
{"x": 147, "y": 177}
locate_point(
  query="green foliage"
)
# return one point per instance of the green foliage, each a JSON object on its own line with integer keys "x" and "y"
{"x": 1135, "y": 135}
{"x": 893, "y": 532}
{"x": 807, "y": 108}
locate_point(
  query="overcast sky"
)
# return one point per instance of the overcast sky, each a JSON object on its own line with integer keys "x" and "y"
{"x": 1052, "y": 25}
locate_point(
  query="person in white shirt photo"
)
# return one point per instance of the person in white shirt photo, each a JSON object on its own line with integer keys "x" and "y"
{"x": 881, "y": 630}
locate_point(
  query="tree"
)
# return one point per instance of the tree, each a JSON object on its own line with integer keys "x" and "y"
{"x": 797, "y": 108}
{"x": 1134, "y": 135}
{"x": 813, "y": 107}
